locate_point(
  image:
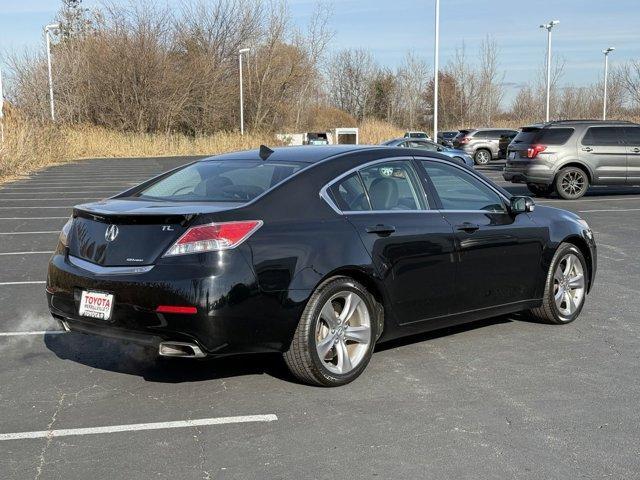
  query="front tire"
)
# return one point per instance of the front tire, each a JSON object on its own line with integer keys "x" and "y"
{"x": 571, "y": 183}
{"x": 335, "y": 337}
{"x": 565, "y": 288}
{"x": 482, "y": 156}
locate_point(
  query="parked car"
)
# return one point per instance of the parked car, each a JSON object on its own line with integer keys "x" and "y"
{"x": 503, "y": 144}
{"x": 446, "y": 138}
{"x": 417, "y": 135}
{"x": 567, "y": 156}
{"x": 481, "y": 143}
{"x": 317, "y": 253}
{"x": 430, "y": 146}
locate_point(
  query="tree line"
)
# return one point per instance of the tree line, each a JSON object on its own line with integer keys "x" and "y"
{"x": 143, "y": 67}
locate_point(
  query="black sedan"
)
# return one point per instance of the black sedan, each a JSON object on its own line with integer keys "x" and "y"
{"x": 318, "y": 253}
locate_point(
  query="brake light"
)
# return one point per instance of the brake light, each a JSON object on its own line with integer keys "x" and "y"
{"x": 176, "y": 309}
{"x": 64, "y": 233}
{"x": 534, "y": 150}
{"x": 465, "y": 140}
{"x": 213, "y": 237}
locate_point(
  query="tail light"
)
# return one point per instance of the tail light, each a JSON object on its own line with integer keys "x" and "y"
{"x": 464, "y": 140}
{"x": 64, "y": 233}
{"x": 534, "y": 150}
{"x": 179, "y": 309}
{"x": 213, "y": 237}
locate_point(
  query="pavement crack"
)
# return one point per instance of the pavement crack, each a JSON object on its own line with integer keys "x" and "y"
{"x": 49, "y": 436}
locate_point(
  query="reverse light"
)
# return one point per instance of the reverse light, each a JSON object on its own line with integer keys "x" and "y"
{"x": 176, "y": 309}
{"x": 64, "y": 233}
{"x": 534, "y": 150}
{"x": 213, "y": 237}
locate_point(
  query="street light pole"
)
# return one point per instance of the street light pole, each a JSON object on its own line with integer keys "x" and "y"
{"x": 606, "y": 52}
{"x": 548, "y": 27}
{"x": 240, "y": 52}
{"x": 47, "y": 29}
{"x": 436, "y": 59}
{"x": 1, "y": 110}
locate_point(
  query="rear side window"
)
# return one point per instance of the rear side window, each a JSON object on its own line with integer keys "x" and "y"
{"x": 483, "y": 134}
{"x": 554, "y": 136}
{"x": 220, "y": 181}
{"x": 392, "y": 186}
{"x": 632, "y": 135}
{"x": 603, "y": 136}
{"x": 349, "y": 194}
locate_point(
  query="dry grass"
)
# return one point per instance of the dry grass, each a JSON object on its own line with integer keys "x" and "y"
{"x": 372, "y": 131}
{"x": 29, "y": 146}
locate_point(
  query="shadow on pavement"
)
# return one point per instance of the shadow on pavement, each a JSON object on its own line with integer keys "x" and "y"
{"x": 132, "y": 359}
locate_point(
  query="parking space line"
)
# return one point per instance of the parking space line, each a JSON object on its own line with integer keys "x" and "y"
{"x": 30, "y": 233}
{"x": 621, "y": 199}
{"x": 34, "y": 332}
{"x": 34, "y": 218}
{"x": 31, "y": 207}
{"x": 27, "y": 253}
{"x": 38, "y": 199}
{"x": 134, "y": 427}
{"x": 37, "y": 282}
{"x": 611, "y": 210}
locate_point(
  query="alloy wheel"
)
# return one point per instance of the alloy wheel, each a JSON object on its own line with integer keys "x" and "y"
{"x": 482, "y": 157}
{"x": 568, "y": 285}
{"x": 573, "y": 183}
{"x": 343, "y": 332}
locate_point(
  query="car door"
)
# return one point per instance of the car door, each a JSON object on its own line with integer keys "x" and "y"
{"x": 498, "y": 253}
{"x": 411, "y": 245}
{"x": 632, "y": 141}
{"x": 604, "y": 151}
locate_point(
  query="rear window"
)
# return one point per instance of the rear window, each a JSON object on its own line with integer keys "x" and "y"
{"x": 220, "y": 181}
{"x": 545, "y": 136}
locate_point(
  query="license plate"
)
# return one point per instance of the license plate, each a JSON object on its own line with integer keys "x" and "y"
{"x": 512, "y": 156}
{"x": 96, "y": 305}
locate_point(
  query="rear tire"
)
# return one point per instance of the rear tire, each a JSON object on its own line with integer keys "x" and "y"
{"x": 335, "y": 337}
{"x": 571, "y": 183}
{"x": 565, "y": 287}
{"x": 482, "y": 156}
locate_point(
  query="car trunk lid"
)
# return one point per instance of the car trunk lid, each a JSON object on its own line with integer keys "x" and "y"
{"x": 120, "y": 232}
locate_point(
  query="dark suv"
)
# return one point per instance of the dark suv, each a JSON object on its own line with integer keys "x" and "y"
{"x": 567, "y": 156}
{"x": 481, "y": 143}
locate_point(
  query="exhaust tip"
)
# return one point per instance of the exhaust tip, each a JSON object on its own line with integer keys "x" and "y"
{"x": 180, "y": 350}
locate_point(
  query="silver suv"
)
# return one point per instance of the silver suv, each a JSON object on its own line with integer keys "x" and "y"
{"x": 567, "y": 156}
{"x": 483, "y": 144}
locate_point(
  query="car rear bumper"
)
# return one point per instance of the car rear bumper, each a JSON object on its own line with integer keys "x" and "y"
{"x": 528, "y": 172}
{"x": 233, "y": 315}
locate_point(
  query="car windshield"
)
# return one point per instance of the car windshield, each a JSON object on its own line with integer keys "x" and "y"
{"x": 220, "y": 181}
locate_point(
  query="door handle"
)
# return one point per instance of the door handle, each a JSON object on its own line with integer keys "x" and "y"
{"x": 636, "y": 150}
{"x": 468, "y": 227}
{"x": 587, "y": 149}
{"x": 381, "y": 229}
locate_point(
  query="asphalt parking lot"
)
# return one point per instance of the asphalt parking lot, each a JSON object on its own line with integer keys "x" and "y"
{"x": 498, "y": 399}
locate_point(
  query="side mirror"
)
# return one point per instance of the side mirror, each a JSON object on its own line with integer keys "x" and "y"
{"x": 522, "y": 205}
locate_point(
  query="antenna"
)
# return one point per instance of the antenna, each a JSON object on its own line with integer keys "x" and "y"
{"x": 265, "y": 152}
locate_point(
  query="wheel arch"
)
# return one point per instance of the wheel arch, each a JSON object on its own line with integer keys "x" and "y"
{"x": 577, "y": 164}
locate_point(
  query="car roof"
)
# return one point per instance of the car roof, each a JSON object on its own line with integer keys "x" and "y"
{"x": 296, "y": 154}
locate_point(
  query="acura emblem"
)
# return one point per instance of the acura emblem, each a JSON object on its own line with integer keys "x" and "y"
{"x": 111, "y": 233}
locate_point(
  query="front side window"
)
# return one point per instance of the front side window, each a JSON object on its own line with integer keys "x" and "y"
{"x": 393, "y": 186}
{"x": 459, "y": 190}
{"x": 220, "y": 181}
{"x": 603, "y": 136}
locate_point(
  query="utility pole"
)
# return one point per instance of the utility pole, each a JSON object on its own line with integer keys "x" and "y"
{"x": 606, "y": 52}
{"x": 240, "y": 52}
{"x": 436, "y": 67}
{"x": 549, "y": 26}
{"x": 54, "y": 27}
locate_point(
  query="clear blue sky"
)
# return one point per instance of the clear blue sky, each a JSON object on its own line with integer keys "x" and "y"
{"x": 389, "y": 28}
